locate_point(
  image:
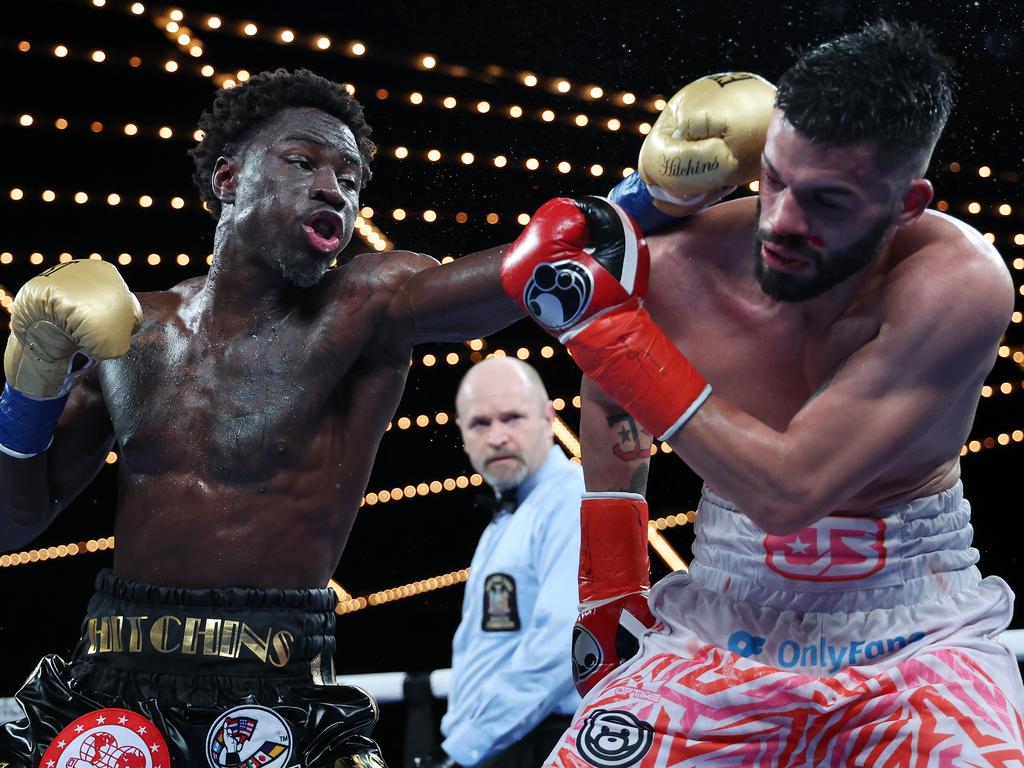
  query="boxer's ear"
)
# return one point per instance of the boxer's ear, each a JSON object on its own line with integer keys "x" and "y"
{"x": 224, "y": 179}
{"x": 915, "y": 200}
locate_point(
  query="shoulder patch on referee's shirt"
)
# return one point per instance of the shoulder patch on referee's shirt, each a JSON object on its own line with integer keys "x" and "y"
{"x": 501, "y": 614}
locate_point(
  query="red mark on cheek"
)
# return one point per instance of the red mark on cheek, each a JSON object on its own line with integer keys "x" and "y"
{"x": 816, "y": 241}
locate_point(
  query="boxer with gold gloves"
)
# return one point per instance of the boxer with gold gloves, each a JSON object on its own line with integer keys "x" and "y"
{"x": 816, "y": 355}
{"x": 706, "y": 142}
{"x": 63, "y": 321}
{"x": 247, "y": 410}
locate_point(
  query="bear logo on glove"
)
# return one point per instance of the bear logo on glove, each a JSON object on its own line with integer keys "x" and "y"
{"x": 558, "y": 293}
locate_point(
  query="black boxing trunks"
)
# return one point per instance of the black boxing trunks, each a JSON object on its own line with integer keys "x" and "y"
{"x": 165, "y": 676}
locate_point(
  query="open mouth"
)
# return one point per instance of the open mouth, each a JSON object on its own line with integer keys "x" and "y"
{"x": 323, "y": 230}
{"x": 780, "y": 261}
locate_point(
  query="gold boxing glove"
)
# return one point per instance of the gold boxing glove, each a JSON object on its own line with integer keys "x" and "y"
{"x": 708, "y": 139}
{"x": 79, "y": 307}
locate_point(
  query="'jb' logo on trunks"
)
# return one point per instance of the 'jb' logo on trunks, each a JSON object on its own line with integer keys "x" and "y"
{"x": 836, "y": 548}
{"x": 558, "y": 293}
{"x": 613, "y": 739}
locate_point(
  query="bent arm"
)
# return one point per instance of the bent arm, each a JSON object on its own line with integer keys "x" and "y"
{"x": 932, "y": 352}
{"x": 457, "y": 301}
{"x": 35, "y": 490}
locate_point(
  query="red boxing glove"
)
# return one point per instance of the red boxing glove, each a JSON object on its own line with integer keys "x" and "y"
{"x": 615, "y": 577}
{"x": 639, "y": 367}
{"x": 580, "y": 269}
{"x": 573, "y": 260}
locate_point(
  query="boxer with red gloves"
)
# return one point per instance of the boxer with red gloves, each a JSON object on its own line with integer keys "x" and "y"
{"x": 833, "y": 612}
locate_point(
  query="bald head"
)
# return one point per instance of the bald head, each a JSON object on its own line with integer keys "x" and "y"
{"x": 505, "y": 418}
{"x": 497, "y": 375}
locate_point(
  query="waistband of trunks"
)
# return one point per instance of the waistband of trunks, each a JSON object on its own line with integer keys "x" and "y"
{"x": 233, "y": 632}
{"x": 896, "y": 555}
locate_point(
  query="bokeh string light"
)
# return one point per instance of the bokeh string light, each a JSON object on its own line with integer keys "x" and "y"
{"x": 513, "y": 112}
{"x": 180, "y": 29}
{"x": 525, "y": 162}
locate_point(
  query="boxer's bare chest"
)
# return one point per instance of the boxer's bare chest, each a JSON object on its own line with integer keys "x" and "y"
{"x": 240, "y": 406}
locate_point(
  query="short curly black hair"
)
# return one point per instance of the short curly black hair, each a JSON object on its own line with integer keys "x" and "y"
{"x": 237, "y": 111}
{"x": 886, "y": 84}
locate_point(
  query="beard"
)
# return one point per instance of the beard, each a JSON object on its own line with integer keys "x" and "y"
{"x": 829, "y": 270}
{"x": 502, "y": 478}
{"x": 303, "y": 275}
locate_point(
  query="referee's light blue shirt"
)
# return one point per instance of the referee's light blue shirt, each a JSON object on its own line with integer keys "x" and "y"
{"x": 511, "y": 655}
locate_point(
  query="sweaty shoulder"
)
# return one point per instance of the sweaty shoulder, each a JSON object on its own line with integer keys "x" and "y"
{"x": 944, "y": 265}
{"x": 718, "y": 236}
{"x": 157, "y": 306}
{"x": 368, "y": 282}
{"x": 383, "y": 276}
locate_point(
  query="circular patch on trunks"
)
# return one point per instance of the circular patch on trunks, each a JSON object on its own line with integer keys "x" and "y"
{"x": 249, "y": 735}
{"x": 614, "y": 739}
{"x": 108, "y": 738}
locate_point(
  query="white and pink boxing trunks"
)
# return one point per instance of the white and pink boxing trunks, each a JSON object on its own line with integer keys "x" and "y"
{"x": 862, "y": 641}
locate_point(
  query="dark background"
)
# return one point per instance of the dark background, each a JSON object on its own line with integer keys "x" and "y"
{"x": 646, "y": 48}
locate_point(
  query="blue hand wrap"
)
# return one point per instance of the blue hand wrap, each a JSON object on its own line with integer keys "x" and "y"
{"x": 27, "y": 424}
{"x": 632, "y": 194}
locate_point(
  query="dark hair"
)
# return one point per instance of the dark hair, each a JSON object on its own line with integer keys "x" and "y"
{"x": 886, "y": 84}
{"x": 240, "y": 110}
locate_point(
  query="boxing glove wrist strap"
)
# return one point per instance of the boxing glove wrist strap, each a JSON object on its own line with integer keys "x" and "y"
{"x": 27, "y": 423}
{"x": 626, "y": 354}
{"x": 613, "y": 547}
{"x": 635, "y": 197}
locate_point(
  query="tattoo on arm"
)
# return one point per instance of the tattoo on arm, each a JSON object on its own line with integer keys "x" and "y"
{"x": 632, "y": 441}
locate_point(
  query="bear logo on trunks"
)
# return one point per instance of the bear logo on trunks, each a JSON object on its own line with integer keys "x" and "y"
{"x": 558, "y": 293}
{"x": 108, "y": 738}
{"x": 586, "y": 654}
{"x": 611, "y": 739}
{"x": 249, "y": 736}
{"x": 501, "y": 614}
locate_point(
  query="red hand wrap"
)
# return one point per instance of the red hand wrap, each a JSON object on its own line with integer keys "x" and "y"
{"x": 639, "y": 367}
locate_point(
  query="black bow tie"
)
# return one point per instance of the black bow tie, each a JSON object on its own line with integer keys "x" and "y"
{"x": 507, "y": 501}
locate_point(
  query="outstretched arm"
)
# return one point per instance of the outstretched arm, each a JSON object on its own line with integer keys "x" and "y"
{"x": 457, "y": 301}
